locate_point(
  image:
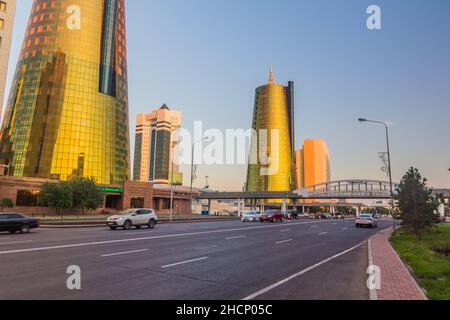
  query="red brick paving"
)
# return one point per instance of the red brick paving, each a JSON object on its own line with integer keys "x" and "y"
{"x": 397, "y": 283}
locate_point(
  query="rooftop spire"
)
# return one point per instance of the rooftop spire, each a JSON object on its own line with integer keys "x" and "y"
{"x": 271, "y": 78}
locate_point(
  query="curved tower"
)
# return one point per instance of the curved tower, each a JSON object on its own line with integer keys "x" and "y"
{"x": 67, "y": 113}
{"x": 273, "y": 123}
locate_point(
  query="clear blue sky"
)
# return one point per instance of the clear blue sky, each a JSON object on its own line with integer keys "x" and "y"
{"x": 206, "y": 57}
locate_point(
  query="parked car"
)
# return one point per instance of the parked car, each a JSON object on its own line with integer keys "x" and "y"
{"x": 366, "y": 220}
{"x": 17, "y": 222}
{"x": 272, "y": 216}
{"x": 133, "y": 218}
{"x": 251, "y": 216}
{"x": 291, "y": 214}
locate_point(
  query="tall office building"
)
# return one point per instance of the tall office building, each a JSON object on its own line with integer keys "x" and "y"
{"x": 155, "y": 143}
{"x": 273, "y": 112}
{"x": 67, "y": 113}
{"x": 7, "y": 9}
{"x": 312, "y": 164}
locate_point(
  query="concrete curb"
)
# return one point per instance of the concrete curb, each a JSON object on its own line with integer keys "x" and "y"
{"x": 372, "y": 292}
{"x": 73, "y": 225}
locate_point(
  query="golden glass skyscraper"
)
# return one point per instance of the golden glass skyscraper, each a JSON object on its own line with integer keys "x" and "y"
{"x": 67, "y": 113}
{"x": 273, "y": 113}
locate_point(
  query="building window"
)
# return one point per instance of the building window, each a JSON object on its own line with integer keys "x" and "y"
{"x": 2, "y": 6}
{"x": 27, "y": 198}
{"x": 2, "y": 23}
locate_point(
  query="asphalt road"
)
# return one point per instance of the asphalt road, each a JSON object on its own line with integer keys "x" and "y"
{"x": 226, "y": 260}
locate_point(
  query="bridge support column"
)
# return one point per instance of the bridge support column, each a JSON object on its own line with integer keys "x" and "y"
{"x": 209, "y": 207}
{"x": 284, "y": 206}
{"x": 239, "y": 207}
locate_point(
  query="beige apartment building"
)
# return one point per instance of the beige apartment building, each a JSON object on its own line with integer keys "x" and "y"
{"x": 154, "y": 146}
{"x": 7, "y": 9}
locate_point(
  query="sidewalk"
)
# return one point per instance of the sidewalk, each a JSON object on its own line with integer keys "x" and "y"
{"x": 397, "y": 283}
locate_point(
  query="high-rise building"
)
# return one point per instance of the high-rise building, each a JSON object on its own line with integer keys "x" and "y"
{"x": 7, "y": 9}
{"x": 67, "y": 112}
{"x": 271, "y": 164}
{"x": 312, "y": 164}
{"x": 155, "y": 144}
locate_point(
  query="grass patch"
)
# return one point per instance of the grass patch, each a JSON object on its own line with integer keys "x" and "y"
{"x": 431, "y": 268}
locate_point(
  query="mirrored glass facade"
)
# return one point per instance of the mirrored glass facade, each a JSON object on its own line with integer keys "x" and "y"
{"x": 67, "y": 113}
{"x": 274, "y": 110}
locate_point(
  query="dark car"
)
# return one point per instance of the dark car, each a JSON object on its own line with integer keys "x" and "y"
{"x": 272, "y": 216}
{"x": 16, "y": 222}
{"x": 291, "y": 214}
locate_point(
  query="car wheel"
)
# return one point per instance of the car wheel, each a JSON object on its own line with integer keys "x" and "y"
{"x": 25, "y": 229}
{"x": 113, "y": 228}
{"x": 357, "y": 225}
{"x": 151, "y": 224}
{"x": 12, "y": 231}
{"x": 127, "y": 225}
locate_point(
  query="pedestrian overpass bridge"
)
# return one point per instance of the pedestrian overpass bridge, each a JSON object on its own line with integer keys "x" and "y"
{"x": 335, "y": 190}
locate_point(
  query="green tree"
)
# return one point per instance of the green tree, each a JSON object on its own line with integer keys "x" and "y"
{"x": 57, "y": 195}
{"x": 7, "y": 203}
{"x": 315, "y": 209}
{"x": 85, "y": 194}
{"x": 416, "y": 203}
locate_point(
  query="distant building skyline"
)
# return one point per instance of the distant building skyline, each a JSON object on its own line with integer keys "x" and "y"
{"x": 7, "y": 12}
{"x": 273, "y": 113}
{"x": 399, "y": 74}
{"x": 67, "y": 112}
{"x": 154, "y": 144}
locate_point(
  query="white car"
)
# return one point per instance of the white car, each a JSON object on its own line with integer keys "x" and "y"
{"x": 251, "y": 216}
{"x": 133, "y": 218}
{"x": 366, "y": 220}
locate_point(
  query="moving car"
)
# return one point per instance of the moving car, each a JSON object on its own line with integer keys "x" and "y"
{"x": 133, "y": 218}
{"x": 324, "y": 216}
{"x": 251, "y": 216}
{"x": 366, "y": 220}
{"x": 339, "y": 216}
{"x": 17, "y": 222}
{"x": 272, "y": 216}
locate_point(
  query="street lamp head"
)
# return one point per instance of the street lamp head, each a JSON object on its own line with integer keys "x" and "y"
{"x": 362, "y": 120}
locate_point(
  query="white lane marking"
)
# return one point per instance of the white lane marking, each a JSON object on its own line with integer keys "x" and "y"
{"x": 298, "y": 274}
{"x": 183, "y": 262}
{"x": 322, "y": 233}
{"x": 122, "y": 253}
{"x": 77, "y": 245}
{"x": 284, "y": 241}
{"x": 344, "y": 228}
{"x": 237, "y": 237}
{"x": 285, "y": 230}
{"x": 16, "y": 242}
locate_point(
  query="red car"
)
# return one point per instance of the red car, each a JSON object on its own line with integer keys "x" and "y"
{"x": 271, "y": 216}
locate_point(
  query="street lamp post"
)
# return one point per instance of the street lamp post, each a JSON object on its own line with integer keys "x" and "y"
{"x": 192, "y": 172}
{"x": 389, "y": 162}
{"x": 172, "y": 184}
